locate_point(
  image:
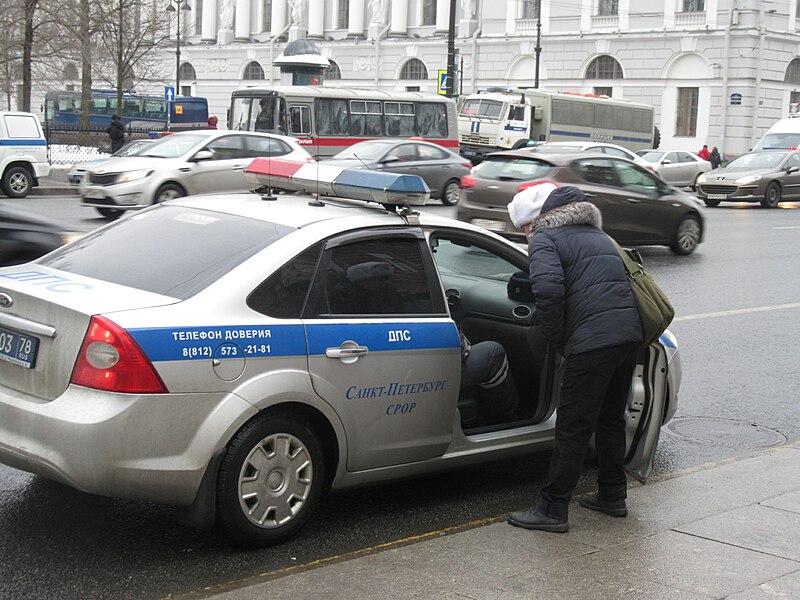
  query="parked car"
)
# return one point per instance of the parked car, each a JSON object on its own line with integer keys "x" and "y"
{"x": 75, "y": 174}
{"x": 440, "y": 168}
{"x": 638, "y": 207}
{"x": 767, "y": 176}
{"x": 596, "y": 147}
{"x": 23, "y": 153}
{"x": 238, "y": 357}
{"x": 677, "y": 168}
{"x": 192, "y": 162}
{"x": 25, "y": 237}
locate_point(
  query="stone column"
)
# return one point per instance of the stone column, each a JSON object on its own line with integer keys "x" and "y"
{"x": 209, "y": 33}
{"x": 355, "y": 27}
{"x": 399, "y": 19}
{"x": 279, "y": 15}
{"x": 442, "y": 15}
{"x": 316, "y": 19}
{"x": 241, "y": 27}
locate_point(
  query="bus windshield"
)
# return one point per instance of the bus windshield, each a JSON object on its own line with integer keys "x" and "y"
{"x": 253, "y": 113}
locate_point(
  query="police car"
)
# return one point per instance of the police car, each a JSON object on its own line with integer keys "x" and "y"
{"x": 23, "y": 153}
{"x": 242, "y": 354}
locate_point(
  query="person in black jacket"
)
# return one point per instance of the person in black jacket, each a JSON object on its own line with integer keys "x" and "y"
{"x": 588, "y": 314}
{"x": 714, "y": 158}
{"x": 116, "y": 132}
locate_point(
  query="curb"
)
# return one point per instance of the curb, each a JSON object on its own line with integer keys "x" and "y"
{"x": 55, "y": 191}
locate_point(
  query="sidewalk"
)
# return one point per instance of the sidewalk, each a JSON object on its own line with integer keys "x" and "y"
{"x": 729, "y": 530}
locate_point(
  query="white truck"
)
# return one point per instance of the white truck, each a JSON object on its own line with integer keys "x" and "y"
{"x": 23, "y": 153}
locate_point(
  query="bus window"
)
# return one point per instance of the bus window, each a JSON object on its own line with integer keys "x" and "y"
{"x": 300, "y": 120}
{"x": 269, "y": 115}
{"x": 155, "y": 109}
{"x": 432, "y": 120}
{"x": 399, "y": 118}
{"x": 241, "y": 114}
{"x": 332, "y": 117}
{"x": 365, "y": 118}
{"x": 133, "y": 107}
{"x": 66, "y": 103}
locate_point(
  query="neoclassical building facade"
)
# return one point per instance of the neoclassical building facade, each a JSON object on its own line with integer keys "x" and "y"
{"x": 718, "y": 71}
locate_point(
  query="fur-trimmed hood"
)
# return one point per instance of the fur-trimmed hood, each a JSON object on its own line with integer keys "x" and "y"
{"x": 574, "y": 213}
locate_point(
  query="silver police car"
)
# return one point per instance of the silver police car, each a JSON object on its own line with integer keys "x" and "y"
{"x": 242, "y": 354}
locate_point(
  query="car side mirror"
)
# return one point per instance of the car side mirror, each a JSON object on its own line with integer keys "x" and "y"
{"x": 666, "y": 161}
{"x": 389, "y": 159}
{"x": 793, "y": 169}
{"x": 201, "y": 155}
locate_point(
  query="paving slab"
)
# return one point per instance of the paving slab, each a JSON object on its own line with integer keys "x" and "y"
{"x": 790, "y": 501}
{"x": 782, "y": 588}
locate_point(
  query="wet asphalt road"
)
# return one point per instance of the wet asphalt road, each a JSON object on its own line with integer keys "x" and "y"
{"x": 737, "y": 329}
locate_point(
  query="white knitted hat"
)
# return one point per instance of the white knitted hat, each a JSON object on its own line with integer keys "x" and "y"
{"x": 527, "y": 204}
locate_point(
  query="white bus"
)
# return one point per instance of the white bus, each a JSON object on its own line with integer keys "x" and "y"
{"x": 504, "y": 119}
{"x": 327, "y": 120}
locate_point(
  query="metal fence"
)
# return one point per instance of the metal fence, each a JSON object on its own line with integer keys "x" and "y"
{"x": 70, "y": 145}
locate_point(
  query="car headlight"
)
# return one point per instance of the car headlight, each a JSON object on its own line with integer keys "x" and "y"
{"x": 747, "y": 180}
{"x": 701, "y": 178}
{"x": 71, "y": 237}
{"x": 133, "y": 175}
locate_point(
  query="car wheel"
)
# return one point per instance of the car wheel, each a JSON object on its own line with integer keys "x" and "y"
{"x": 451, "y": 192}
{"x": 271, "y": 479}
{"x": 168, "y": 191}
{"x": 687, "y": 236}
{"x": 711, "y": 203}
{"x": 694, "y": 183}
{"x": 772, "y": 196}
{"x": 17, "y": 182}
{"x": 110, "y": 213}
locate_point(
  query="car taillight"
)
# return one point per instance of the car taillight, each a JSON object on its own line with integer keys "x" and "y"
{"x": 468, "y": 165}
{"x": 468, "y": 181}
{"x": 111, "y": 360}
{"x": 652, "y": 168}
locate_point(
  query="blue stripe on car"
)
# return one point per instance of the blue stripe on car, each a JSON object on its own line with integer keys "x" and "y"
{"x": 34, "y": 142}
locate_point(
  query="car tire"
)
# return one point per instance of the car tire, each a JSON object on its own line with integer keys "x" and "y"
{"x": 451, "y": 192}
{"x": 168, "y": 191}
{"x": 110, "y": 213}
{"x": 271, "y": 479}
{"x": 17, "y": 182}
{"x": 694, "y": 182}
{"x": 772, "y": 196}
{"x": 687, "y": 235}
{"x": 711, "y": 203}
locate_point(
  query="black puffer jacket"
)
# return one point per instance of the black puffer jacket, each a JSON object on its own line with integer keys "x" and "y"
{"x": 583, "y": 298}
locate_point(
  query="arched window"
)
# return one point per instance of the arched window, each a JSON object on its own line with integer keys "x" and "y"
{"x": 604, "y": 67}
{"x": 414, "y": 69}
{"x": 333, "y": 72}
{"x": 253, "y": 70}
{"x": 188, "y": 72}
{"x": 70, "y": 71}
{"x": 793, "y": 72}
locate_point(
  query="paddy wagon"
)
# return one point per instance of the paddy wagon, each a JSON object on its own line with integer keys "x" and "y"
{"x": 242, "y": 354}
{"x": 23, "y": 153}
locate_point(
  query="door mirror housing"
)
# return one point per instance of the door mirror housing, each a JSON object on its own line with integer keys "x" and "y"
{"x": 792, "y": 169}
{"x": 389, "y": 159}
{"x": 203, "y": 155}
{"x": 666, "y": 161}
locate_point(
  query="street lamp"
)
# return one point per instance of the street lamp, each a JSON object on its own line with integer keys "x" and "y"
{"x": 182, "y": 5}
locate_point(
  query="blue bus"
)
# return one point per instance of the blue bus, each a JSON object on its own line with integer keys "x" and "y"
{"x": 139, "y": 111}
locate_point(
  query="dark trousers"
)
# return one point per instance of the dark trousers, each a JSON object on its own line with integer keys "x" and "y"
{"x": 594, "y": 390}
{"x": 486, "y": 372}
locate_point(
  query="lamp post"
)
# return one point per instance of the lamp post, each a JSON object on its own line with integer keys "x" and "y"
{"x": 171, "y": 7}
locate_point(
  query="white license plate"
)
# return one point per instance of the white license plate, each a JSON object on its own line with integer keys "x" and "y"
{"x": 94, "y": 193}
{"x": 490, "y": 224}
{"x": 717, "y": 196}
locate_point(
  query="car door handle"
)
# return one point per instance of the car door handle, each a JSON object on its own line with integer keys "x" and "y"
{"x": 237, "y": 167}
{"x": 346, "y": 352}
{"x": 633, "y": 200}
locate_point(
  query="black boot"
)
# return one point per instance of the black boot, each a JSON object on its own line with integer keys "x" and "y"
{"x": 544, "y": 517}
{"x": 615, "y": 508}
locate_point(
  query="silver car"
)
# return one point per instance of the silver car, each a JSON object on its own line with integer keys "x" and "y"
{"x": 181, "y": 164}
{"x": 239, "y": 357}
{"x": 677, "y": 168}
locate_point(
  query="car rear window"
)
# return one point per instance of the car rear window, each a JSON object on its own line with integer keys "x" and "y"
{"x": 512, "y": 168}
{"x": 171, "y": 250}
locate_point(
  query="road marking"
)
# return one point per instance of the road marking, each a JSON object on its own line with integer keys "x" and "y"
{"x": 738, "y": 311}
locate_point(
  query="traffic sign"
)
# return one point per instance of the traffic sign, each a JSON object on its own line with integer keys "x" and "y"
{"x": 442, "y": 82}
{"x": 169, "y": 93}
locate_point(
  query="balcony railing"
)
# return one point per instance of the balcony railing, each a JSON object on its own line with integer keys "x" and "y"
{"x": 526, "y": 27}
{"x": 690, "y": 20}
{"x": 605, "y": 22}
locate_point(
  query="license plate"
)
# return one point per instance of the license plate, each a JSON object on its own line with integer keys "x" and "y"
{"x": 94, "y": 193}
{"x": 490, "y": 224}
{"x": 717, "y": 196}
{"x": 18, "y": 348}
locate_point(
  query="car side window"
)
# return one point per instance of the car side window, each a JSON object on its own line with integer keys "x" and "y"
{"x": 228, "y": 147}
{"x": 455, "y": 256}
{"x": 615, "y": 152}
{"x": 405, "y": 152}
{"x": 430, "y": 153}
{"x": 635, "y": 179}
{"x": 794, "y": 161}
{"x": 671, "y": 157}
{"x": 597, "y": 170}
{"x": 266, "y": 146}
{"x": 375, "y": 277}
{"x": 685, "y": 157}
{"x": 283, "y": 294}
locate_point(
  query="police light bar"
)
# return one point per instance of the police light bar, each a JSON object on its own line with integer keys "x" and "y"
{"x": 357, "y": 184}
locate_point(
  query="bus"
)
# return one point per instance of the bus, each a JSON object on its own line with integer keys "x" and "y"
{"x": 62, "y": 110}
{"x": 327, "y": 120}
{"x": 505, "y": 119}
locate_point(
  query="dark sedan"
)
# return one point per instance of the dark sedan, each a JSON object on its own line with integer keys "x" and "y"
{"x": 439, "y": 167}
{"x": 638, "y": 208}
{"x": 25, "y": 237}
{"x": 768, "y": 177}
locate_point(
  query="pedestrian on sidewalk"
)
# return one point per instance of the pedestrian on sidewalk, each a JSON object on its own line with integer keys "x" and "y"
{"x": 588, "y": 314}
{"x": 714, "y": 158}
{"x": 117, "y": 133}
{"x": 212, "y": 122}
{"x": 704, "y": 153}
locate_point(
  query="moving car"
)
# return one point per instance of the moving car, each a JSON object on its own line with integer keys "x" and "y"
{"x": 75, "y": 174}
{"x": 596, "y": 147}
{"x": 638, "y": 207}
{"x": 23, "y": 153}
{"x": 191, "y": 162}
{"x": 243, "y": 353}
{"x": 440, "y": 168}
{"x": 24, "y": 236}
{"x": 768, "y": 177}
{"x": 677, "y": 168}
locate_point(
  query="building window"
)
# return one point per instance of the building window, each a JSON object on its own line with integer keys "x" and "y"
{"x": 604, "y": 67}
{"x": 694, "y": 5}
{"x": 607, "y": 8}
{"x": 414, "y": 69}
{"x": 428, "y": 12}
{"x": 686, "y": 122}
{"x": 253, "y": 70}
{"x": 70, "y": 71}
{"x": 603, "y": 91}
{"x": 197, "y": 10}
{"x": 343, "y": 16}
{"x": 794, "y": 103}
{"x": 793, "y": 71}
{"x": 530, "y": 9}
{"x": 333, "y": 72}
{"x": 266, "y": 16}
{"x": 188, "y": 72}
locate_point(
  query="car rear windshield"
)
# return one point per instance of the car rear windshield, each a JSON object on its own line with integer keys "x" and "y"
{"x": 171, "y": 250}
{"x": 512, "y": 168}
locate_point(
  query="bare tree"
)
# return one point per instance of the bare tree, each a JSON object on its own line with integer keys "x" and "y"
{"x": 29, "y": 28}
{"x": 10, "y": 50}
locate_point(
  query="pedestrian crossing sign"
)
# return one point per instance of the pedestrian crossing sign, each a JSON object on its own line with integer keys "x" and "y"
{"x": 442, "y": 82}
